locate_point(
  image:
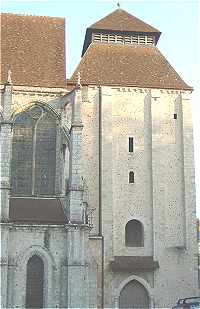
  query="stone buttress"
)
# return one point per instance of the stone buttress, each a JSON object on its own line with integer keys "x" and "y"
{"x": 5, "y": 157}
{"x": 78, "y": 229}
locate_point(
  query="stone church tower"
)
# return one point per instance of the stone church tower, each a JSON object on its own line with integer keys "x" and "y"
{"x": 97, "y": 174}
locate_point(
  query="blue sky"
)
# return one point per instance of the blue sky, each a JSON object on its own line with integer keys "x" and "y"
{"x": 179, "y": 42}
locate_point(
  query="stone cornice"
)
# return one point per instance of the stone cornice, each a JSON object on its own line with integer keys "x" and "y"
{"x": 38, "y": 89}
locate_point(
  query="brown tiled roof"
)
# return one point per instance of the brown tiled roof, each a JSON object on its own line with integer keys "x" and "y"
{"x": 120, "y": 20}
{"x": 32, "y": 210}
{"x": 133, "y": 263}
{"x": 33, "y": 48}
{"x": 127, "y": 65}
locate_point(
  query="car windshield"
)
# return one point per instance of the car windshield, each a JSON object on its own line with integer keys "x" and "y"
{"x": 190, "y": 303}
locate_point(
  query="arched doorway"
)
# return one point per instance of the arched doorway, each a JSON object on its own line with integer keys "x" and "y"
{"x": 134, "y": 295}
{"x": 35, "y": 282}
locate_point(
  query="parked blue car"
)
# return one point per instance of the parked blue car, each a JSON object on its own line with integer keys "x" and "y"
{"x": 189, "y": 302}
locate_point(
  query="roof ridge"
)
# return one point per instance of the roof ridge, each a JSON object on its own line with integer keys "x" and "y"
{"x": 30, "y": 15}
{"x": 134, "y": 19}
{"x": 144, "y": 22}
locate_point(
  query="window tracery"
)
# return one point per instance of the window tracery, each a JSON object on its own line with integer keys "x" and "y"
{"x": 33, "y": 167}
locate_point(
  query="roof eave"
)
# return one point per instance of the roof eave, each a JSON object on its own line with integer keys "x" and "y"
{"x": 187, "y": 88}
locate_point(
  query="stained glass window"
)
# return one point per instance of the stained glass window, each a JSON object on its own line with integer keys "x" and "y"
{"x": 33, "y": 167}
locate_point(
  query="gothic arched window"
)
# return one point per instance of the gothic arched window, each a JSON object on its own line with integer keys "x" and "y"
{"x": 33, "y": 166}
{"x": 35, "y": 283}
{"x": 134, "y": 234}
{"x": 134, "y": 295}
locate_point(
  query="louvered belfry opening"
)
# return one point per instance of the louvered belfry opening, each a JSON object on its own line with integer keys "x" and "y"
{"x": 35, "y": 282}
{"x": 33, "y": 167}
{"x": 123, "y": 39}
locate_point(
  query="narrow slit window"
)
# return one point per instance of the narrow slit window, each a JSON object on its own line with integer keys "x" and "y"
{"x": 131, "y": 177}
{"x": 131, "y": 144}
{"x": 175, "y": 116}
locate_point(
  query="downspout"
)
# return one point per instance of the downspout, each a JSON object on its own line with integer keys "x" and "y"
{"x": 100, "y": 195}
{"x": 100, "y": 161}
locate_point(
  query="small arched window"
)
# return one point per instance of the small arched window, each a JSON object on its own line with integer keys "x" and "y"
{"x": 35, "y": 283}
{"x": 33, "y": 167}
{"x": 134, "y": 234}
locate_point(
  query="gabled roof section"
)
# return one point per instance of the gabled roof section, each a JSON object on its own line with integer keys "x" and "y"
{"x": 127, "y": 65}
{"x": 120, "y": 20}
{"x": 33, "y": 48}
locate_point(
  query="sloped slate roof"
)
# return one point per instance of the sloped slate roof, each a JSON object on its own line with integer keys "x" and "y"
{"x": 30, "y": 210}
{"x": 127, "y": 65}
{"x": 33, "y": 48}
{"x": 120, "y": 20}
{"x": 134, "y": 263}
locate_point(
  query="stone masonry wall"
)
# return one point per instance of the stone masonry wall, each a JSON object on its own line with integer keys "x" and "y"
{"x": 51, "y": 245}
{"x": 164, "y": 184}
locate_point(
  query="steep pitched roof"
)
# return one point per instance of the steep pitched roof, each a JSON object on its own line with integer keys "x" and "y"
{"x": 120, "y": 20}
{"x": 33, "y": 48}
{"x": 127, "y": 65}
